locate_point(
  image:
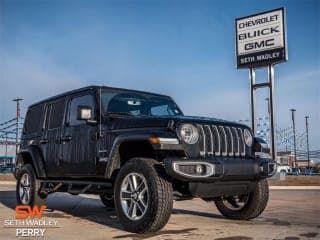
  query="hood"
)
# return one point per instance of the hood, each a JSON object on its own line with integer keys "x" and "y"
{"x": 165, "y": 121}
{"x": 207, "y": 120}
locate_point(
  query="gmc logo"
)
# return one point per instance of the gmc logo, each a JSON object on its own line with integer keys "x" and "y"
{"x": 23, "y": 212}
{"x": 261, "y": 44}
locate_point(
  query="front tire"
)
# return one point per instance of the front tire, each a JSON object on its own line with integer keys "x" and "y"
{"x": 143, "y": 196}
{"x": 245, "y": 207}
{"x": 27, "y": 188}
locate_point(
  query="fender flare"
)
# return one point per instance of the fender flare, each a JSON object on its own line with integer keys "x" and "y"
{"x": 36, "y": 160}
{"x": 114, "y": 158}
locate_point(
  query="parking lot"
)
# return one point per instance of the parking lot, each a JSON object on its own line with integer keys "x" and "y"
{"x": 290, "y": 215}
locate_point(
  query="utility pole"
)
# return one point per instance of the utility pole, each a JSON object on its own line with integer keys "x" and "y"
{"x": 307, "y": 131}
{"x": 6, "y": 144}
{"x": 294, "y": 137}
{"x": 17, "y": 100}
{"x": 268, "y": 105}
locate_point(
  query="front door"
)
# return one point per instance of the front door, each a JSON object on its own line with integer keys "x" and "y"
{"x": 79, "y": 139}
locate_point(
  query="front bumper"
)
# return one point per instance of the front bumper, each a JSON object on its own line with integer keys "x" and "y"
{"x": 219, "y": 169}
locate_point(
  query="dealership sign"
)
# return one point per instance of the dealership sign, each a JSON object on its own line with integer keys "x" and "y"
{"x": 260, "y": 39}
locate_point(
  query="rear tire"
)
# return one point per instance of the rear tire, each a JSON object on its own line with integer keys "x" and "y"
{"x": 143, "y": 196}
{"x": 27, "y": 188}
{"x": 107, "y": 199}
{"x": 252, "y": 205}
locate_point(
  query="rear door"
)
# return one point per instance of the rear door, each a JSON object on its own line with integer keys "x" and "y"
{"x": 79, "y": 138}
{"x": 51, "y": 139}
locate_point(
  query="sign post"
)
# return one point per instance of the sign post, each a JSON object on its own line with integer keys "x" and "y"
{"x": 261, "y": 42}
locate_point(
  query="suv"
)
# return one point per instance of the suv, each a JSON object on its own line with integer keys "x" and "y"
{"x": 139, "y": 153}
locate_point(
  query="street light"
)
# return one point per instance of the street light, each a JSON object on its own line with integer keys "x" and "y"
{"x": 307, "y": 131}
{"x": 17, "y": 100}
{"x": 294, "y": 137}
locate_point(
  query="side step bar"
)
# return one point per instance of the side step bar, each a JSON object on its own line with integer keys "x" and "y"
{"x": 77, "y": 182}
{"x": 71, "y": 186}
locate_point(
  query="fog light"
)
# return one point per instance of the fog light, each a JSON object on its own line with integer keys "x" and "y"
{"x": 194, "y": 169}
{"x": 199, "y": 169}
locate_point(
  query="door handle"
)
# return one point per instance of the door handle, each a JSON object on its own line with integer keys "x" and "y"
{"x": 43, "y": 141}
{"x": 66, "y": 139}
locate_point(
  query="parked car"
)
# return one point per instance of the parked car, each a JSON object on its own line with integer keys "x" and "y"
{"x": 308, "y": 171}
{"x": 295, "y": 171}
{"x": 284, "y": 169}
{"x": 139, "y": 152}
{"x": 6, "y": 164}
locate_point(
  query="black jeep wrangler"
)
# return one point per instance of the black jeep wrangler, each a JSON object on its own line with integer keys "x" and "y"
{"x": 139, "y": 153}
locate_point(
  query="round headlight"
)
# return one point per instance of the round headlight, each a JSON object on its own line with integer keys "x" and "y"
{"x": 247, "y": 137}
{"x": 189, "y": 133}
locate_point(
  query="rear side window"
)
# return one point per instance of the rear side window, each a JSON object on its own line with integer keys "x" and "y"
{"x": 33, "y": 122}
{"x": 56, "y": 114}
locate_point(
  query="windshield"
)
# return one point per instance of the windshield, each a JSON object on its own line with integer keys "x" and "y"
{"x": 138, "y": 104}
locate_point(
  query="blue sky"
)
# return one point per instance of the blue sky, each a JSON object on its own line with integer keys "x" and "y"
{"x": 180, "y": 48}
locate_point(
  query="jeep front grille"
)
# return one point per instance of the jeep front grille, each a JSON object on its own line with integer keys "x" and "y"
{"x": 217, "y": 140}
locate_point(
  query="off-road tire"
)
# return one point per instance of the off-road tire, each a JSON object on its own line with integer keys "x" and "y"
{"x": 255, "y": 205}
{"x": 107, "y": 199}
{"x": 160, "y": 202}
{"x": 35, "y": 198}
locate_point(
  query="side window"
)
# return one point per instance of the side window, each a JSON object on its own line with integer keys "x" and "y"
{"x": 85, "y": 100}
{"x": 47, "y": 116}
{"x": 163, "y": 110}
{"x": 160, "y": 110}
{"x": 56, "y": 114}
{"x": 33, "y": 122}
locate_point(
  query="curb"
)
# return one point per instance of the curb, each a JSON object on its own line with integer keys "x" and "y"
{"x": 294, "y": 187}
{"x": 7, "y": 182}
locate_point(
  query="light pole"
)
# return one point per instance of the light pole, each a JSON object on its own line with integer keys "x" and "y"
{"x": 307, "y": 131}
{"x": 17, "y": 100}
{"x": 294, "y": 137}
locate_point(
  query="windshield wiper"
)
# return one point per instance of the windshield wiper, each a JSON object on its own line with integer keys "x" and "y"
{"x": 127, "y": 114}
{"x": 121, "y": 114}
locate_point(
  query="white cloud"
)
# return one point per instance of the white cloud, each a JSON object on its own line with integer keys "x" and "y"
{"x": 31, "y": 76}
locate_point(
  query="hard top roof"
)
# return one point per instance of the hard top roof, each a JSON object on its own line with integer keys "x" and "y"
{"x": 92, "y": 87}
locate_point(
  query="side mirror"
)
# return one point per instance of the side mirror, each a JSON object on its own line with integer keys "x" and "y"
{"x": 84, "y": 113}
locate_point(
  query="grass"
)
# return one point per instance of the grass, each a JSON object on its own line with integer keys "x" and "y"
{"x": 7, "y": 177}
{"x": 297, "y": 181}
